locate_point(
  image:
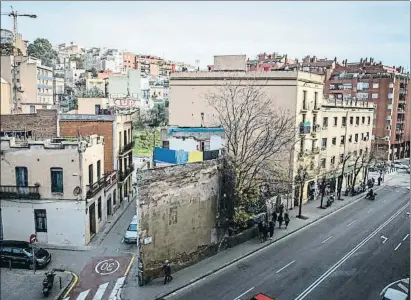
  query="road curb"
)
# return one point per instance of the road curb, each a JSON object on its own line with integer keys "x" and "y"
{"x": 362, "y": 196}
{"x": 68, "y": 287}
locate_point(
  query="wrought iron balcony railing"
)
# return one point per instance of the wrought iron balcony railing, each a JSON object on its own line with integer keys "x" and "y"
{"x": 126, "y": 148}
{"x": 123, "y": 175}
{"x": 97, "y": 186}
{"x": 19, "y": 192}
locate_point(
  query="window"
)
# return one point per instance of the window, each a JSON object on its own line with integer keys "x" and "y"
{"x": 355, "y": 154}
{"x": 99, "y": 208}
{"x": 341, "y": 158}
{"x": 332, "y": 160}
{"x": 369, "y": 120}
{"x": 342, "y": 141}
{"x": 362, "y": 136}
{"x": 125, "y": 137}
{"x": 315, "y": 98}
{"x": 357, "y": 121}
{"x": 90, "y": 174}
{"x": 323, "y": 163}
{"x": 98, "y": 169}
{"x": 325, "y": 122}
{"x": 40, "y": 220}
{"x": 374, "y": 96}
{"x": 335, "y": 121}
{"x": 356, "y": 138}
{"x": 375, "y": 85}
{"x": 344, "y": 121}
{"x": 22, "y": 177}
{"x": 32, "y": 109}
{"x": 334, "y": 141}
{"x": 56, "y": 175}
{"x": 351, "y": 120}
{"x": 114, "y": 197}
{"x": 305, "y": 99}
{"x": 350, "y": 138}
{"x": 324, "y": 143}
{"x": 362, "y": 120}
{"x": 360, "y": 152}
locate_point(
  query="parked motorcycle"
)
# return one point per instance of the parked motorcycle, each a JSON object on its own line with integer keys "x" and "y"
{"x": 48, "y": 282}
{"x": 370, "y": 197}
{"x": 330, "y": 200}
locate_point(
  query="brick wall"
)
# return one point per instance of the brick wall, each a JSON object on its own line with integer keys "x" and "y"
{"x": 42, "y": 123}
{"x": 75, "y": 128}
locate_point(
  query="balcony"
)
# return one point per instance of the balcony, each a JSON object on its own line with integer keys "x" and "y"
{"x": 316, "y": 108}
{"x": 304, "y": 108}
{"x": 125, "y": 148}
{"x": 111, "y": 179}
{"x": 19, "y": 192}
{"x": 400, "y": 121}
{"x": 96, "y": 187}
{"x": 315, "y": 150}
{"x": 123, "y": 175}
{"x": 305, "y": 128}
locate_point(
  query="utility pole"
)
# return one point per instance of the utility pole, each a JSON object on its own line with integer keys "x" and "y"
{"x": 15, "y": 14}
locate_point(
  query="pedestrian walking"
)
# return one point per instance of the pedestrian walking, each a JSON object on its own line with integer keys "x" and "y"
{"x": 266, "y": 229}
{"x": 275, "y": 217}
{"x": 281, "y": 208}
{"x": 280, "y": 220}
{"x": 261, "y": 230}
{"x": 167, "y": 272}
{"x": 286, "y": 219}
{"x": 271, "y": 229}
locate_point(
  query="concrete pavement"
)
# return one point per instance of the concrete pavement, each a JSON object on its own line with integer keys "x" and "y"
{"x": 290, "y": 266}
{"x": 209, "y": 266}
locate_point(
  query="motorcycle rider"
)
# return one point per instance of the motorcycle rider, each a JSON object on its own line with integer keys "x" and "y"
{"x": 370, "y": 193}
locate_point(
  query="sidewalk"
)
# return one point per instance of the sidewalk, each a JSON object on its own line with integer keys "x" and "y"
{"x": 156, "y": 289}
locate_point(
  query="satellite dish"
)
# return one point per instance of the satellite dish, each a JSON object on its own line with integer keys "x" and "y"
{"x": 76, "y": 191}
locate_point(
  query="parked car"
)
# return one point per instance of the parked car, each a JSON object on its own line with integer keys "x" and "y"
{"x": 131, "y": 232}
{"x": 20, "y": 253}
{"x": 392, "y": 294}
{"x": 400, "y": 165}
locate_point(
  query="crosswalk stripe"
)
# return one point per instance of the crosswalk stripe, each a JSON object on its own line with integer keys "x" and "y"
{"x": 403, "y": 287}
{"x": 119, "y": 283}
{"x": 83, "y": 295}
{"x": 100, "y": 292}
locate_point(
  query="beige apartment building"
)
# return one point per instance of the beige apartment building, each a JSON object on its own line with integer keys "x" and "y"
{"x": 49, "y": 184}
{"x": 98, "y": 116}
{"x": 5, "y": 97}
{"x": 298, "y": 92}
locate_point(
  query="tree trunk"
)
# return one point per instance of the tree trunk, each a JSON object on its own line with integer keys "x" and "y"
{"x": 301, "y": 200}
{"x": 322, "y": 193}
{"x": 339, "y": 186}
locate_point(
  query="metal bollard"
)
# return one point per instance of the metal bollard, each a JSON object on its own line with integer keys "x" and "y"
{"x": 60, "y": 282}
{"x": 10, "y": 264}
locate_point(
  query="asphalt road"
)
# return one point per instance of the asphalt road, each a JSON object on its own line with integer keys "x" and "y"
{"x": 340, "y": 257}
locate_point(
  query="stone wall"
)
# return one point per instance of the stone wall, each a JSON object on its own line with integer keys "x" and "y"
{"x": 41, "y": 124}
{"x": 177, "y": 213}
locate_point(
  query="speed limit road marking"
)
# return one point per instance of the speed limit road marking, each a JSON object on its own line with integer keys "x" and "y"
{"x": 107, "y": 267}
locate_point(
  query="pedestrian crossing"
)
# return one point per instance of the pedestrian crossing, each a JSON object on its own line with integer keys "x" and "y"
{"x": 102, "y": 291}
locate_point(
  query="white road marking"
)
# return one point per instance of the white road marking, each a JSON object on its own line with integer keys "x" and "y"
{"x": 351, "y": 223}
{"x": 107, "y": 267}
{"x": 249, "y": 290}
{"x": 316, "y": 283}
{"x": 83, "y": 295}
{"x": 122, "y": 241}
{"x": 403, "y": 287}
{"x": 326, "y": 239}
{"x": 385, "y": 239}
{"x": 370, "y": 210}
{"x": 287, "y": 265}
{"x": 100, "y": 292}
{"x": 116, "y": 289}
{"x": 384, "y": 201}
{"x": 405, "y": 237}
{"x": 398, "y": 246}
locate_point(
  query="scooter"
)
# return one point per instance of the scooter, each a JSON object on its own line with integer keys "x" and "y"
{"x": 369, "y": 197}
{"x": 48, "y": 282}
{"x": 330, "y": 200}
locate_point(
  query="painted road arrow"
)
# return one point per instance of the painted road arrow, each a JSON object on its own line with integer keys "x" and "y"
{"x": 385, "y": 239}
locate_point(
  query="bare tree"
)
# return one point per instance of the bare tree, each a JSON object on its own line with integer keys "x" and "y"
{"x": 256, "y": 130}
{"x": 361, "y": 163}
{"x": 301, "y": 179}
{"x": 341, "y": 176}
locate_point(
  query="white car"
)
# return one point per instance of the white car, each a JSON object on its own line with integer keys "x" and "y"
{"x": 399, "y": 165}
{"x": 131, "y": 232}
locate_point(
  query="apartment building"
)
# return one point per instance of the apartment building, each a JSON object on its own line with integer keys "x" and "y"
{"x": 48, "y": 184}
{"x": 344, "y": 130}
{"x": 126, "y": 85}
{"x": 98, "y": 116}
{"x": 129, "y": 60}
{"x": 58, "y": 90}
{"x": 388, "y": 89}
{"x": 5, "y": 100}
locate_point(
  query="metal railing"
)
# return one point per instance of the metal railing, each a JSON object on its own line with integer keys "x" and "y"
{"x": 111, "y": 179}
{"x": 126, "y": 148}
{"x": 19, "y": 192}
{"x": 123, "y": 175}
{"x": 94, "y": 188}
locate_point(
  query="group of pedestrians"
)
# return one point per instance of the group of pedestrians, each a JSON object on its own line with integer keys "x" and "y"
{"x": 266, "y": 228}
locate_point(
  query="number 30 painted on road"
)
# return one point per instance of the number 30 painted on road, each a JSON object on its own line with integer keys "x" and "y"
{"x": 107, "y": 267}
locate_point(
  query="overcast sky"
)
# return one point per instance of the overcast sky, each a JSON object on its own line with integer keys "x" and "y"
{"x": 190, "y": 31}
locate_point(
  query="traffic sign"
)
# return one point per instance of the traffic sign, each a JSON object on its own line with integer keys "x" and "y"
{"x": 33, "y": 238}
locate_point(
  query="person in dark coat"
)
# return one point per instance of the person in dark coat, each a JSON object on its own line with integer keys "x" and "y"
{"x": 286, "y": 219}
{"x": 266, "y": 230}
{"x": 167, "y": 272}
{"x": 271, "y": 229}
{"x": 261, "y": 230}
{"x": 281, "y": 208}
{"x": 274, "y": 217}
{"x": 280, "y": 220}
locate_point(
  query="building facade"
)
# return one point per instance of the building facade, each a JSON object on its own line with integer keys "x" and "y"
{"x": 55, "y": 188}
{"x": 5, "y": 95}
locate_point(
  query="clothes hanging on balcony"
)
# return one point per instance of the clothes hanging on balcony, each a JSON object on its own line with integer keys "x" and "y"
{"x": 181, "y": 157}
{"x": 208, "y": 155}
{"x": 195, "y": 156}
